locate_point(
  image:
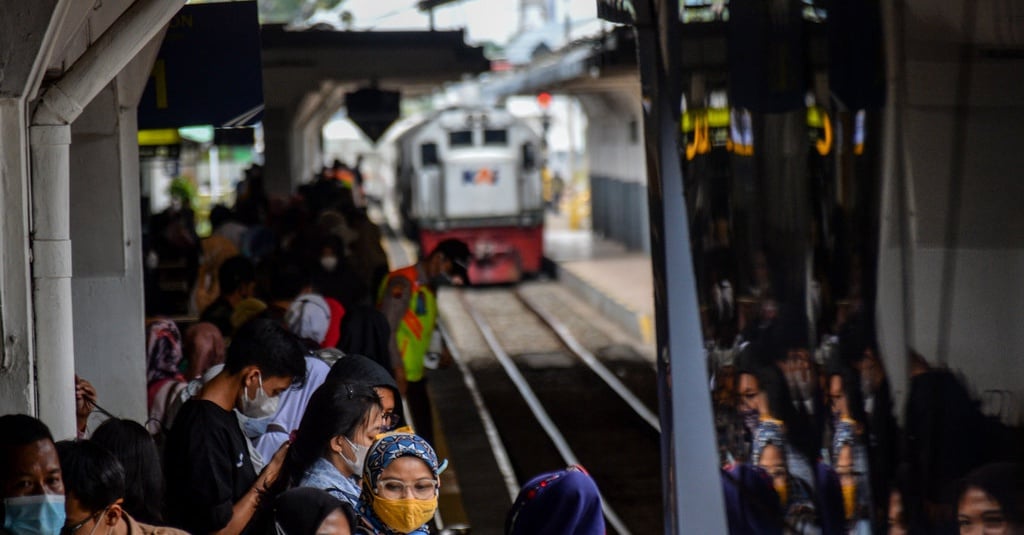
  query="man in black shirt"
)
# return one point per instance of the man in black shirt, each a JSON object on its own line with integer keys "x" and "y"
{"x": 211, "y": 484}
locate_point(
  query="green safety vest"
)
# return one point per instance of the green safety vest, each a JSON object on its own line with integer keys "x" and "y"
{"x": 417, "y": 326}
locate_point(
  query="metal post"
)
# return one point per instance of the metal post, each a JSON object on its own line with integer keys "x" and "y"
{"x": 896, "y": 194}
{"x": 692, "y": 484}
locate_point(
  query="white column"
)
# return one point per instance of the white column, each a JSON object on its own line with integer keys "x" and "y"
{"x": 17, "y": 362}
{"x": 51, "y": 277}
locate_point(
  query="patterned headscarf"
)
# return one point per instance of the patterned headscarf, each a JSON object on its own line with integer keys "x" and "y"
{"x": 163, "y": 351}
{"x": 383, "y": 453}
{"x": 768, "y": 432}
{"x": 565, "y": 502}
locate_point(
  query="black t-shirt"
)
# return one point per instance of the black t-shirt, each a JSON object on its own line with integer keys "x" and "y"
{"x": 207, "y": 467}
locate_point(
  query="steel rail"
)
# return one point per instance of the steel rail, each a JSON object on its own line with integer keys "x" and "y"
{"x": 592, "y": 361}
{"x": 534, "y": 403}
{"x": 490, "y": 429}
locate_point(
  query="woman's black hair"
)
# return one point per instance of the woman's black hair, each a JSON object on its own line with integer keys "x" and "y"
{"x": 91, "y": 474}
{"x": 1004, "y": 483}
{"x": 334, "y": 409}
{"x": 301, "y": 510}
{"x": 850, "y": 378}
{"x": 133, "y": 446}
{"x": 755, "y": 359}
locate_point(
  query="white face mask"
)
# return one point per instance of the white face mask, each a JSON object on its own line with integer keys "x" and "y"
{"x": 329, "y": 263}
{"x": 360, "y": 452}
{"x": 260, "y": 406}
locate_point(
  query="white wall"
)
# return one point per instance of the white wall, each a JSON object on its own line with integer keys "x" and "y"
{"x": 610, "y": 151}
{"x": 106, "y": 236}
{"x": 986, "y": 293}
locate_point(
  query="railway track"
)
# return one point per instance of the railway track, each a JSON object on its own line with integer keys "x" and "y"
{"x": 563, "y": 405}
{"x": 541, "y": 401}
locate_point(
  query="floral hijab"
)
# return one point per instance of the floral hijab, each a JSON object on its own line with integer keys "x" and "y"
{"x": 163, "y": 351}
{"x": 383, "y": 453}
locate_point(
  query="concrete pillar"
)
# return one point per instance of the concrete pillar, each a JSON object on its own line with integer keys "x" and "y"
{"x": 52, "y": 277}
{"x": 17, "y": 363}
{"x": 107, "y": 289}
{"x": 62, "y": 103}
{"x": 31, "y": 30}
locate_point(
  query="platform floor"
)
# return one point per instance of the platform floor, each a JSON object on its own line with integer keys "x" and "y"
{"x": 603, "y": 273}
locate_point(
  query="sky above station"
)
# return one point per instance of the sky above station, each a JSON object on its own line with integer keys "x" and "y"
{"x": 484, "y": 20}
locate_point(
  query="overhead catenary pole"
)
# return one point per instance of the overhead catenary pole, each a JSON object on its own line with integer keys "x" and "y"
{"x": 50, "y": 138}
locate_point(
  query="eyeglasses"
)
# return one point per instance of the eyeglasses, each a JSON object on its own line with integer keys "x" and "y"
{"x": 396, "y": 489}
{"x": 390, "y": 421}
{"x": 70, "y": 530}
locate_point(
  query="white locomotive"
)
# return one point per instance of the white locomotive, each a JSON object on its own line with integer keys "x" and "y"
{"x": 474, "y": 174}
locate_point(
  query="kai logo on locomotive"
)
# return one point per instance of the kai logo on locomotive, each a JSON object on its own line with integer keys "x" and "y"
{"x": 483, "y": 175}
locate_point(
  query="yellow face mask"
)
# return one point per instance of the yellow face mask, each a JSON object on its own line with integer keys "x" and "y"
{"x": 783, "y": 491}
{"x": 849, "y": 499}
{"x": 404, "y": 515}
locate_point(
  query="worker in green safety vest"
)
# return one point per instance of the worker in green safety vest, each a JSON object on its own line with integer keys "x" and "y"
{"x": 408, "y": 298}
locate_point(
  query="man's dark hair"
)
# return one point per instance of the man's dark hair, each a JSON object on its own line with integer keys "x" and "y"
{"x": 458, "y": 253}
{"x": 133, "y": 446}
{"x": 18, "y": 430}
{"x": 219, "y": 215}
{"x": 92, "y": 475}
{"x": 454, "y": 250}
{"x": 287, "y": 281}
{"x": 268, "y": 345}
{"x": 235, "y": 272}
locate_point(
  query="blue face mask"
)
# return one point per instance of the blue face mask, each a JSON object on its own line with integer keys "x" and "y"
{"x": 254, "y": 427}
{"x": 42, "y": 514}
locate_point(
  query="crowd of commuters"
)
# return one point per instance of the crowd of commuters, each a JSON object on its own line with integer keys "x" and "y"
{"x": 809, "y": 441}
{"x": 279, "y": 410}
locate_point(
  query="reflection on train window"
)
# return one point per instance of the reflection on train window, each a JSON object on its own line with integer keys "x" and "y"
{"x": 460, "y": 138}
{"x": 496, "y": 137}
{"x": 428, "y": 154}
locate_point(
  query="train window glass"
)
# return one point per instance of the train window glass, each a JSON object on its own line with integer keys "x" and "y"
{"x": 460, "y": 138}
{"x": 428, "y": 154}
{"x": 495, "y": 137}
{"x": 529, "y": 156}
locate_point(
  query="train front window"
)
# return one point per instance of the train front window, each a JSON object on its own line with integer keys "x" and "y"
{"x": 460, "y": 138}
{"x": 496, "y": 137}
{"x": 529, "y": 156}
{"x": 428, "y": 154}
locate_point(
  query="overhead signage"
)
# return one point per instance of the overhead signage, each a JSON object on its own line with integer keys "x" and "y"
{"x": 373, "y": 110}
{"x": 208, "y": 70}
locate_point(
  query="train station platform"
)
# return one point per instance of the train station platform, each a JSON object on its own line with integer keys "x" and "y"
{"x": 606, "y": 275}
